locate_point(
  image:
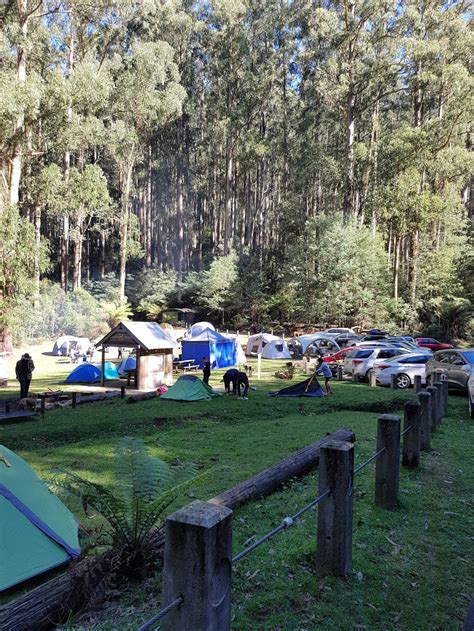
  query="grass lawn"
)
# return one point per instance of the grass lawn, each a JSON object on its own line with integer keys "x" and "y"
{"x": 412, "y": 568}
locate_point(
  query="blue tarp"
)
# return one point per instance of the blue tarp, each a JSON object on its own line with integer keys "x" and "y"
{"x": 85, "y": 373}
{"x": 220, "y": 350}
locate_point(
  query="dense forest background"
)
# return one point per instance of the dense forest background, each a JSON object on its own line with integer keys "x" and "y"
{"x": 277, "y": 160}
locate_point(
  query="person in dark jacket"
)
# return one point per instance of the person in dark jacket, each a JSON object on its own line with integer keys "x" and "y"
{"x": 230, "y": 379}
{"x": 24, "y": 370}
{"x": 206, "y": 370}
{"x": 242, "y": 385}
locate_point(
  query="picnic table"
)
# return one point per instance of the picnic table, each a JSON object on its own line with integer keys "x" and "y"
{"x": 184, "y": 365}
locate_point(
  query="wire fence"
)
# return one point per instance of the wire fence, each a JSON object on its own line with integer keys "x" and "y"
{"x": 161, "y": 614}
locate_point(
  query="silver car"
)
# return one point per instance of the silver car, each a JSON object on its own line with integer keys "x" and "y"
{"x": 456, "y": 364}
{"x": 361, "y": 360}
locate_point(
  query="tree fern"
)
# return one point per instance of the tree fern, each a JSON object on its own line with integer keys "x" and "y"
{"x": 143, "y": 487}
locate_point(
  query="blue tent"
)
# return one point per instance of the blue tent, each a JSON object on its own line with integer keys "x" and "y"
{"x": 85, "y": 373}
{"x": 220, "y": 350}
{"x": 110, "y": 371}
{"x": 130, "y": 363}
{"x": 308, "y": 388}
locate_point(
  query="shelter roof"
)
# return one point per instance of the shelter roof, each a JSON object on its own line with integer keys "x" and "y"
{"x": 147, "y": 335}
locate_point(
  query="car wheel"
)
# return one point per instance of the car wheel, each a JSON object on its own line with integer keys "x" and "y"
{"x": 471, "y": 406}
{"x": 403, "y": 381}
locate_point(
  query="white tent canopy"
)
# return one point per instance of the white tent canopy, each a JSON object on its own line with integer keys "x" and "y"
{"x": 270, "y": 346}
{"x": 65, "y": 343}
{"x": 199, "y": 328}
{"x": 320, "y": 339}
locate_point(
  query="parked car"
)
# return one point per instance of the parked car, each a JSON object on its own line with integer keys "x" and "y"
{"x": 456, "y": 364}
{"x": 339, "y": 331}
{"x": 432, "y": 344}
{"x": 406, "y": 367}
{"x": 362, "y": 359}
{"x": 470, "y": 393}
{"x": 336, "y": 359}
{"x": 401, "y": 338}
{"x": 347, "y": 339}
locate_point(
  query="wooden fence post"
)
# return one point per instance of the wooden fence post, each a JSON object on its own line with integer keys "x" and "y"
{"x": 411, "y": 440}
{"x": 393, "y": 382}
{"x": 74, "y": 399}
{"x": 372, "y": 379}
{"x": 198, "y": 567}
{"x": 439, "y": 402}
{"x": 43, "y": 405}
{"x": 417, "y": 383}
{"x": 122, "y": 392}
{"x": 444, "y": 383}
{"x": 355, "y": 376}
{"x": 387, "y": 469}
{"x": 425, "y": 420}
{"x": 434, "y": 407}
{"x": 339, "y": 373}
{"x": 334, "y": 531}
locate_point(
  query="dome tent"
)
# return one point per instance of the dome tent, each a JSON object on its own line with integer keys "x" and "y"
{"x": 270, "y": 346}
{"x": 199, "y": 328}
{"x": 189, "y": 388}
{"x": 65, "y": 343}
{"x": 129, "y": 363}
{"x": 308, "y": 388}
{"x": 110, "y": 371}
{"x": 85, "y": 373}
{"x": 37, "y": 532}
{"x": 220, "y": 350}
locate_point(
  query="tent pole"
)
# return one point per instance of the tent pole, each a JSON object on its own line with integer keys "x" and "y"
{"x": 259, "y": 365}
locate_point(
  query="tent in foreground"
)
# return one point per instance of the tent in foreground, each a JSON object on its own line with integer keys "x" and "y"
{"x": 189, "y": 388}
{"x": 37, "y": 532}
{"x": 85, "y": 373}
{"x": 308, "y": 388}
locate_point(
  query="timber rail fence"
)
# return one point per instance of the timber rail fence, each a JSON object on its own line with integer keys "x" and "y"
{"x": 198, "y": 557}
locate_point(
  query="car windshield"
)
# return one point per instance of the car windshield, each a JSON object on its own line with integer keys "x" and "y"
{"x": 468, "y": 356}
{"x": 363, "y": 353}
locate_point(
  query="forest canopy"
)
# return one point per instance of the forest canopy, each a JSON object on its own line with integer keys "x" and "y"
{"x": 286, "y": 160}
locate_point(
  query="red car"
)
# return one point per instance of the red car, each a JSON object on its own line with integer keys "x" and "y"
{"x": 339, "y": 356}
{"x": 432, "y": 344}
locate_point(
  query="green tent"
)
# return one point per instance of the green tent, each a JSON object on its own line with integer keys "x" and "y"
{"x": 37, "y": 532}
{"x": 189, "y": 388}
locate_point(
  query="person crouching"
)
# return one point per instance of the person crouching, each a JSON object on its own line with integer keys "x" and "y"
{"x": 242, "y": 385}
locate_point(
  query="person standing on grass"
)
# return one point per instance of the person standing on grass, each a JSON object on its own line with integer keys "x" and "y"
{"x": 323, "y": 368}
{"x": 24, "y": 371}
{"x": 206, "y": 370}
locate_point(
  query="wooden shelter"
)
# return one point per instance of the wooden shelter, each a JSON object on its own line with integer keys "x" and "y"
{"x": 154, "y": 349}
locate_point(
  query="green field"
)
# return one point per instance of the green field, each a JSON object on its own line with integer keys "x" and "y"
{"x": 412, "y": 568}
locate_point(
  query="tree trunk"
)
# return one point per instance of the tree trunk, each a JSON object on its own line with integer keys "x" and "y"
{"x": 17, "y": 157}
{"x": 37, "y": 225}
{"x": 77, "y": 256}
{"x": 125, "y": 202}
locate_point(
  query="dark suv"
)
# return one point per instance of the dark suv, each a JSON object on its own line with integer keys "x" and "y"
{"x": 455, "y": 364}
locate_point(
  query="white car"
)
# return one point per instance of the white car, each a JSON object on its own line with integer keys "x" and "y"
{"x": 361, "y": 360}
{"x": 339, "y": 331}
{"x": 470, "y": 393}
{"x": 406, "y": 367}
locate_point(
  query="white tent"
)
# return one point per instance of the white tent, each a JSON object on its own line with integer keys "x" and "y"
{"x": 199, "y": 328}
{"x": 270, "y": 346}
{"x": 65, "y": 343}
{"x": 241, "y": 359}
{"x": 318, "y": 339}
